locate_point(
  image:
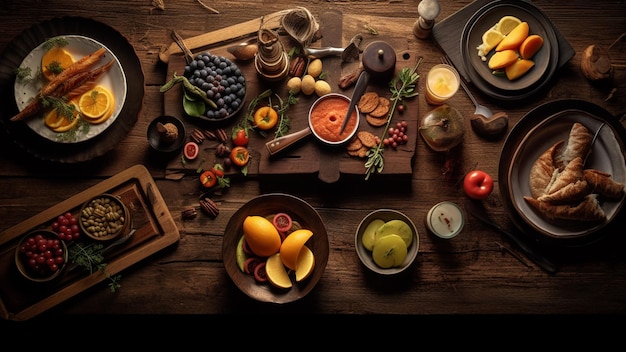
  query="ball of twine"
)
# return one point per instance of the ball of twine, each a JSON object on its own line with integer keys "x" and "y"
{"x": 300, "y": 24}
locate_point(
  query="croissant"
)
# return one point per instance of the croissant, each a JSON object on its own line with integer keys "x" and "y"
{"x": 588, "y": 209}
{"x": 603, "y": 184}
{"x": 567, "y": 185}
{"x": 578, "y": 145}
{"x": 542, "y": 171}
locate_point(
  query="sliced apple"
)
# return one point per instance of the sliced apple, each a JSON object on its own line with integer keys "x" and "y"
{"x": 306, "y": 263}
{"x": 389, "y": 251}
{"x": 292, "y": 245}
{"x": 369, "y": 235}
{"x": 276, "y": 272}
{"x": 396, "y": 227}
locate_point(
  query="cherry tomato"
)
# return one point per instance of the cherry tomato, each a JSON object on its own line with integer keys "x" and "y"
{"x": 239, "y": 156}
{"x": 191, "y": 150}
{"x": 218, "y": 170}
{"x": 240, "y": 137}
{"x": 477, "y": 184}
{"x": 265, "y": 118}
{"x": 208, "y": 179}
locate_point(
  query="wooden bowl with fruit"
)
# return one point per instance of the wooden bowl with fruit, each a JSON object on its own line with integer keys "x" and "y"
{"x": 386, "y": 241}
{"x": 41, "y": 256}
{"x": 275, "y": 248}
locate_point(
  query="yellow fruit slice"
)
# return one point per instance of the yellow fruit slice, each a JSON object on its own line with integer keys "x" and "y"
{"x": 67, "y": 127}
{"x": 107, "y": 114}
{"x": 506, "y": 24}
{"x": 514, "y": 39}
{"x": 491, "y": 38}
{"x": 53, "y": 119}
{"x": 291, "y": 247}
{"x": 96, "y": 102}
{"x": 54, "y": 61}
{"x": 276, "y": 272}
{"x": 305, "y": 265}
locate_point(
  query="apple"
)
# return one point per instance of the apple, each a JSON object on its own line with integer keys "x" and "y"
{"x": 389, "y": 251}
{"x": 478, "y": 184}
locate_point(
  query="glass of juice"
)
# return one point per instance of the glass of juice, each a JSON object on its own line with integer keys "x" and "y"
{"x": 442, "y": 82}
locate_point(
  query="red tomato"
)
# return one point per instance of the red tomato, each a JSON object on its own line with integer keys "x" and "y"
{"x": 218, "y": 170}
{"x": 240, "y": 137}
{"x": 239, "y": 156}
{"x": 478, "y": 184}
{"x": 208, "y": 179}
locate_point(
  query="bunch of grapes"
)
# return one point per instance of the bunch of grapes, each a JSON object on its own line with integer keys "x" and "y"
{"x": 221, "y": 79}
{"x": 66, "y": 227}
{"x": 397, "y": 135}
{"x": 42, "y": 255}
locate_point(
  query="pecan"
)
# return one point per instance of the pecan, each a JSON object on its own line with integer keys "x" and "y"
{"x": 209, "y": 207}
{"x": 197, "y": 136}
{"x": 189, "y": 213}
{"x": 222, "y": 136}
{"x": 297, "y": 66}
{"x": 222, "y": 150}
{"x": 210, "y": 135}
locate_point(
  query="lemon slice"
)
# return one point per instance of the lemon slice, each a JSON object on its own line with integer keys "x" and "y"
{"x": 507, "y": 23}
{"x": 54, "y": 61}
{"x": 95, "y": 103}
{"x": 491, "y": 38}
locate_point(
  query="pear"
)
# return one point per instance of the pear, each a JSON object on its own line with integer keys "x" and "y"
{"x": 369, "y": 235}
{"x": 396, "y": 227}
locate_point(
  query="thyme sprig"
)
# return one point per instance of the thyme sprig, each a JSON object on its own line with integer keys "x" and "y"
{"x": 402, "y": 86}
{"x": 90, "y": 258}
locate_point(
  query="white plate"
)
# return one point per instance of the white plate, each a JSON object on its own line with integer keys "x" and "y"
{"x": 606, "y": 155}
{"x": 79, "y": 46}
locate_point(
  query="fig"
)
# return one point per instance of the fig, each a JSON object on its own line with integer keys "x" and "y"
{"x": 442, "y": 128}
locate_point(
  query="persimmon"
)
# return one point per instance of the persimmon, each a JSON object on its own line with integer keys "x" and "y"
{"x": 265, "y": 118}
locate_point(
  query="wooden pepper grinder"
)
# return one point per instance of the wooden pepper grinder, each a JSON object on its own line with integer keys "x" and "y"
{"x": 428, "y": 10}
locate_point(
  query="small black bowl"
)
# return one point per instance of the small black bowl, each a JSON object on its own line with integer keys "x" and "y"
{"x": 154, "y": 137}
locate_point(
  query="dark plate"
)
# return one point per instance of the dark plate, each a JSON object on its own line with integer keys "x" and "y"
{"x": 43, "y": 148}
{"x": 265, "y": 205}
{"x": 154, "y": 136}
{"x": 546, "y": 60}
{"x": 532, "y": 135}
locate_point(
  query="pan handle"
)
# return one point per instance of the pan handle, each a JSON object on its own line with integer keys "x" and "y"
{"x": 276, "y": 145}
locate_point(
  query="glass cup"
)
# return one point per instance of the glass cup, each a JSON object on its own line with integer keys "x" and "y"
{"x": 442, "y": 82}
{"x": 445, "y": 220}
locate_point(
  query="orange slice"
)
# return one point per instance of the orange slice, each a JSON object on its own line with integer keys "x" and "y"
{"x": 55, "y": 120}
{"x": 54, "y": 61}
{"x": 95, "y": 103}
{"x": 107, "y": 114}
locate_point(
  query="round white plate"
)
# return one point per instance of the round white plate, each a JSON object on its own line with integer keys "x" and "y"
{"x": 79, "y": 46}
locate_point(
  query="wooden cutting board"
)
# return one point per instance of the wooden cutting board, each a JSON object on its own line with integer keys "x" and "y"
{"x": 156, "y": 229}
{"x": 308, "y": 156}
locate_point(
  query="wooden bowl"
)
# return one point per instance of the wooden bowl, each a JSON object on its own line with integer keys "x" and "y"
{"x": 265, "y": 205}
{"x": 96, "y": 224}
{"x": 366, "y": 256}
{"x": 44, "y": 274}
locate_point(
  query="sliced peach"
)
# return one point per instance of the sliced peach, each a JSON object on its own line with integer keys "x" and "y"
{"x": 513, "y": 40}
{"x": 530, "y": 46}
{"x": 518, "y": 69}
{"x": 291, "y": 247}
{"x": 502, "y": 59}
{"x": 305, "y": 265}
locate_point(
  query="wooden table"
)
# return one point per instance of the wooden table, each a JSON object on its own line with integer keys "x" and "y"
{"x": 478, "y": 272}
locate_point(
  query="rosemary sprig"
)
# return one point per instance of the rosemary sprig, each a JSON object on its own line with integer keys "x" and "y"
{"x": 402, "y": 86}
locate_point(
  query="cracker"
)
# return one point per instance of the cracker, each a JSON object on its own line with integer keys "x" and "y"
{"x": 361, "y": 152}
{"x": 367, "y": 138}
{"x": 368, "y": 102}
{"x": 382, "y": 109}
{"x": 355, "y": 144}
{"x": 375, "y": 121}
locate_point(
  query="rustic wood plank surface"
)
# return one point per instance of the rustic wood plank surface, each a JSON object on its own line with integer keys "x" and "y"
{"x": 479, "y": 272}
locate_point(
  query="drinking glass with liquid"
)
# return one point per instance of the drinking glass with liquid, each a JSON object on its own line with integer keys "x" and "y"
{"x": 442, "y": 82}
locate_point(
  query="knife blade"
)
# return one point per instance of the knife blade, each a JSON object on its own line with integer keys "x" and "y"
{"x": 359, "y": 89}
{"x": 532, "y": 253}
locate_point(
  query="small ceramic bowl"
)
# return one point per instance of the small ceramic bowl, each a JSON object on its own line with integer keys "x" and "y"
{"x": 266, "y": 205}
{"x": 365, "y": 255}
{"x": 104, "y": 217}
{"x": 29, "y": 248}
{"x": 161, "y": 144}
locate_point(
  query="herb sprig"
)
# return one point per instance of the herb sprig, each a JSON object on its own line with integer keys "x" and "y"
{"x": 402, "y": 86}
{"x": 90, "y": 258}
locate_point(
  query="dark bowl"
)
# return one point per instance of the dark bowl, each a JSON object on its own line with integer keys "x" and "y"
{"x": 265, "y": 205}
{"x": 21, "y": 258}
{"x": 101, "y": 227}
{"x": 154, "y": 137}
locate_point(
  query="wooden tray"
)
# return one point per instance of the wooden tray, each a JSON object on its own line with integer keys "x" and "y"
{"x": 308, "y": 157}
{"x": 22, "y": 300}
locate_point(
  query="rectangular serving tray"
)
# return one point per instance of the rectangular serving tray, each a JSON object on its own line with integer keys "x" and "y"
{"x": 155, "y": 230}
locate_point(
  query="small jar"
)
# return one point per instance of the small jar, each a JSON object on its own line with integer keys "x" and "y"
{"x": 445, "y": 220}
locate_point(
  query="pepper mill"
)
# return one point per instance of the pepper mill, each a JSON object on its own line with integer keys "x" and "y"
{"x": 428, "y": 10}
